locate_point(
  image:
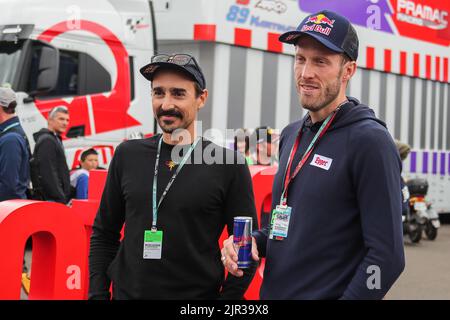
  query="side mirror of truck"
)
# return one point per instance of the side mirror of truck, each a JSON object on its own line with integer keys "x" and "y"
{"x": 48, "y": 70}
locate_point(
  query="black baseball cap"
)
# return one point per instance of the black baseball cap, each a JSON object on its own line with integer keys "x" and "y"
{"x": 179, "y": 61}
{"x": 329, "y": 28}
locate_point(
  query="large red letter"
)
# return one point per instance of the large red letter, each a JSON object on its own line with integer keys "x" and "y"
{"x": 59, "y": 250}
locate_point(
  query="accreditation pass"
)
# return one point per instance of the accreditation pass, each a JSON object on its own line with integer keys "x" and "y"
{"x": 152, "y": 244}
{"x": 281, "y": 216}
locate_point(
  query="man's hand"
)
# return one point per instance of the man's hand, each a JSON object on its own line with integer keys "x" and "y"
{"x": 230, "y": 257}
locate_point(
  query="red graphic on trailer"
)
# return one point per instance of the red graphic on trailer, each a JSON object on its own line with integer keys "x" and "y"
{"x": 426, "y": 20}
{"x": 110, "y": 112}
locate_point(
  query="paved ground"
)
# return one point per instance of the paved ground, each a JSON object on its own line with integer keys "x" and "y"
{"x": 427, "y": 272}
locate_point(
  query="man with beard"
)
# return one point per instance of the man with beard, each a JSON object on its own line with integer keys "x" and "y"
{"x": 174, "y": 206}
{"x": 336, "y": 228}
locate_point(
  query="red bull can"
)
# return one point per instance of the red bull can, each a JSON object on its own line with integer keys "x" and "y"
{"x": 242, "y": 239}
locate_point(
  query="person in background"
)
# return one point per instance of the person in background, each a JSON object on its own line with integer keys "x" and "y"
{"x": 265, "y": 146}
{"x": 49, "y": 171}
{"x": 242, "y": 144}
{"x": 14, "y": 158}
{"x": 14, "y": 150}
{"x": 404, "y": 150}
{"x": 79, "y": 179}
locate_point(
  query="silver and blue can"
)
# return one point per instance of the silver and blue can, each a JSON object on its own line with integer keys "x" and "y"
{"x": 242, "y": 239}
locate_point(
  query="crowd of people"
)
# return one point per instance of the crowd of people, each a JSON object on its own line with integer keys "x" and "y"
{"x": 42, "y": 174}
{"x": 336, "y": 198}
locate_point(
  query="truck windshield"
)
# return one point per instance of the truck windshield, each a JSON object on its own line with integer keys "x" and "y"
{"x": 9, "y": 61}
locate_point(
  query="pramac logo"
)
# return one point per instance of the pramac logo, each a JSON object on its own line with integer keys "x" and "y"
{"x": 422, "y": 15}
{"x": 97, "y": 112}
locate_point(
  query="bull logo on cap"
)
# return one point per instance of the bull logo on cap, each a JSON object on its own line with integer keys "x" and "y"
{"x": 321, "y": 19}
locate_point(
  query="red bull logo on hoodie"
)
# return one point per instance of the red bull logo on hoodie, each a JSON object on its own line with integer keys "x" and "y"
{"x": 317, "y": 24}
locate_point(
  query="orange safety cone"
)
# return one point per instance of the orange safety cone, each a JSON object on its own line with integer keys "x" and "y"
{"x": 26, "y": 282}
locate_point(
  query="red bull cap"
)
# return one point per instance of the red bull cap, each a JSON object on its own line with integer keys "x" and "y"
{"x": 329, "y": 28}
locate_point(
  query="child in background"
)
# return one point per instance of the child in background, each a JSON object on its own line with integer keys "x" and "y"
{"x": 79, "y": 179}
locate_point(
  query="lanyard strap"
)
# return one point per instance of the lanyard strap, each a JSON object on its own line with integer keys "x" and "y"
{"x": 10, "y": 127}
{"x": 287, "y": 173}
{"x": 155, "y": 178}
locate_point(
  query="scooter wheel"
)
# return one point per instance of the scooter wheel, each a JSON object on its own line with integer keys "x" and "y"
{"x": 415, "y": 233}
{"x": 431, "y": 231}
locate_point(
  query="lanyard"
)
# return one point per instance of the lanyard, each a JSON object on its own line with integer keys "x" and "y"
{"x": 287, "y": 173}
{"x": 10, "y": 127}
{"x": 155, "y": 178}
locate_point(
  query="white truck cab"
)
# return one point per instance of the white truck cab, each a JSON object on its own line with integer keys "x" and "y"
{"x": 86, "y": 57}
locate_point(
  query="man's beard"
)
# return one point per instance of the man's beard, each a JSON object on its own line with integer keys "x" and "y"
{"x": 329, "y": 95}
{"x": 165, "y": 127}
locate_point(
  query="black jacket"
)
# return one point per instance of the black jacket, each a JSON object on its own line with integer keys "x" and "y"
{"x": 50, "y": 162}
{"x": 204, "y": 198}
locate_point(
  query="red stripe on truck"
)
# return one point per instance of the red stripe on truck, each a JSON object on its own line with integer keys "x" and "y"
{"x": 438, "y": 68}
{"x": 445, "y": 69}
{"x": 403, "y": 63}
{"x": 273, "y": 44}
{"x": 416, "y": 65}
{"x": 428, "y": 66}
{"x": 387, "y": 60}
{"x": 370, "y": 58}
{"x": 205, "y": 32}
{"x": 243, "y": 37}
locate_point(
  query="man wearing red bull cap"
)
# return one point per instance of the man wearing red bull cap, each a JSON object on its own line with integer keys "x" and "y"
{"x": 336, "y": 228}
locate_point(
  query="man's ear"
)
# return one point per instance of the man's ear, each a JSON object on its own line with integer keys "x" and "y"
{"x": 203, "y": 97}
{"x": 349, "y": 70}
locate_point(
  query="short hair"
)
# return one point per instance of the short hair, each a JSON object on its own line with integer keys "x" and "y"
{"x": 198, "y": 90}
{"x": 403, "y": 149}
{"x": 87, "y": 153}
{"x": 55, "y": 110}
{"x": 345, "y": 58}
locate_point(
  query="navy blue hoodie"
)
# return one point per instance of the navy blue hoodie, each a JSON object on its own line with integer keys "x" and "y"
{"x": 346, "y": 214}
{"x": 14, "y": 161}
